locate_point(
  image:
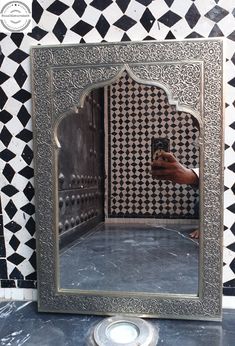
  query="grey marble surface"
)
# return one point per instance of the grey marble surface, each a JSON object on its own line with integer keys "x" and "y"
{"x": 21, "y": 324}
{"x": 133, "y": 257}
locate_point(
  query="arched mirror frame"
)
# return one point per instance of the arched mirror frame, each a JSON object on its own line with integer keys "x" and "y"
{"x": 191, "y": 73}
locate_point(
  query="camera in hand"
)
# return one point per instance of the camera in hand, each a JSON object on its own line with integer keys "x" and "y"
{"x": 159, "y": 145}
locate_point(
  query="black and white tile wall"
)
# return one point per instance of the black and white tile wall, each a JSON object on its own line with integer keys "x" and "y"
{"x": 136, "y": 114}
{"x": 69, "y": 21}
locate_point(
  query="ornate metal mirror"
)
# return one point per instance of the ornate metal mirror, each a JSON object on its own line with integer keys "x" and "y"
{"x": 128, "y": 157}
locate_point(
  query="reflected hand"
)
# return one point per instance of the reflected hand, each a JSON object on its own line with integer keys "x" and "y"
{"x": 166, "y": 167}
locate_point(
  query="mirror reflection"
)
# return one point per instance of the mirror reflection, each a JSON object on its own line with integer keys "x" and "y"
{"x": 128, "y": 192}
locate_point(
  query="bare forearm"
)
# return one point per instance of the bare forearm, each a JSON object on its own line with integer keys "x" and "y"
{"x": 175, "y": 172}
{"x": 191, "y": 178}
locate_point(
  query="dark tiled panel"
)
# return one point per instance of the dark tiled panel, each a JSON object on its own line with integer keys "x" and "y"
{"x": 1, "y": 225}
{"x": 8, "y": 283}
{"x": 3, "y": 269}
{"x": 2, "y": 247}
{"x": 26, "y": 284}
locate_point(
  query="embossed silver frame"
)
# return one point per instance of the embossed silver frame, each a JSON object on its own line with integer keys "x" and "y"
{"x": 61, "y": 77}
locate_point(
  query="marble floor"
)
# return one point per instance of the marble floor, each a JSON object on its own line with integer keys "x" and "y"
{"x": 22, "y": 325}
{"x": 132, "y": 257}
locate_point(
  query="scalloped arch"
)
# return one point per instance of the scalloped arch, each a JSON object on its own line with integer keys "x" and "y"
{"x": 125, "y": 67}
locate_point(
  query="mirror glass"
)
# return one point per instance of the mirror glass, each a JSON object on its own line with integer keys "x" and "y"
{"x": 128, "y": 192}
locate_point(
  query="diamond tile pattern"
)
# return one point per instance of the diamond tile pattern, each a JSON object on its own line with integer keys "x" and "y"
{"x": 9, "y": 190}
{"x": 125, "y": 23}
{"x": 18, "y": 56}
{"x": 79, "y": 7}
{"x": 30, "y": 226}
{"x": 8, "y": 172}
{"x": 13, "y": 227}
{"x": 216, "y": 32}
{"x": 59, "y": 30}
{"x": 5, "y": 116}
{"x": 29, "y": 191}
{"x": 122, "y": 4}
{"x": 88, "y": 21}
{"x": 216, "y": 14}
{"x": 3, "y": 98}
{"x": 82, "y": 28}
{"x": 16, "y": 274}
{"x": 3, "y": 77}
{"x": 27, "y": 154}
{"x": 147, "y": 20}
{"x": 25, "y": 135}
{"x": 14, "y": 242}
{"x": 169, "y": 19}
{"x": 26, "y": 172}
{"x": 232, "y": 36}
{"x": 22, "y": 95}
{"x": 138, "y": 113}
{"x": 169, "y": 2}
{"x": 16, "y": 259}
{"x": 101, "y": 5}
{"x": 192, "y": 16}
{"x": 5, "y": 136}
{"x": 38, "y": 33}
{"x": 17, "y": 38}
{"x": 10, "y": 209}
{"x": 20, "y": 76}
{"x": 102, "y": 26}
{"x": 57, "y": 7}
{"x": 23, "y": 116}
{"x": 7, "y": 155}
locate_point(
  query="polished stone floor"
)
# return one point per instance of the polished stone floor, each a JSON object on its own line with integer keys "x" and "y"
{"x": 132, "y": 257}
{"x": 22, "y": 325}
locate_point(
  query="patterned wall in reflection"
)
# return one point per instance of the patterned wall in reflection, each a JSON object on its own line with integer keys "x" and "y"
{"x": 136, "y": 114}
{"x": 80, "y": 169}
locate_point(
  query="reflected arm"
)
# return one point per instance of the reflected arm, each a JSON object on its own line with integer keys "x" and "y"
{"x": 166, "y": 167}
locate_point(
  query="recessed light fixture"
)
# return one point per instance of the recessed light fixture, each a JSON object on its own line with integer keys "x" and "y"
{"x": 124, "y": 331}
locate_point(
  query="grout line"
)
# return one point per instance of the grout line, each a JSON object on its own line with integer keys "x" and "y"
{"x": 18, "y": 294}
{"x": 228, "y": 302}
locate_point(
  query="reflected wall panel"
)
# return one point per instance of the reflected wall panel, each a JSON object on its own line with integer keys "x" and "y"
{"x": 136, "y": 113}
{"x": 80, "y": 168}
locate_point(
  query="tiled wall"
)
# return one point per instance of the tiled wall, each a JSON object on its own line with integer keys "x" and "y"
{"x": 69, "y": 21}
{"x": 136, "y": 114}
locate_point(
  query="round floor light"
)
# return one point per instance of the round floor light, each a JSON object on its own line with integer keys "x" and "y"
{"x": 125, "y": 331}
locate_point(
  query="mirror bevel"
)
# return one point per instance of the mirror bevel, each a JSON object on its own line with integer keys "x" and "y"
{"x": 105, "y": 57}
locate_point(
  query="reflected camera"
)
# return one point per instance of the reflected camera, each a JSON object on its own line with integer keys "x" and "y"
{"x": 158, "y": 145}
